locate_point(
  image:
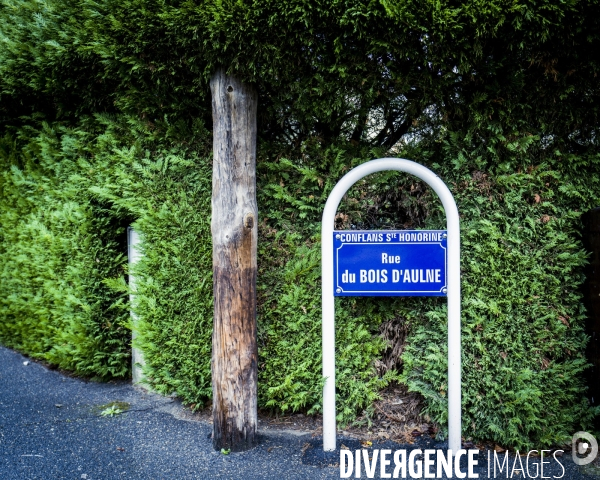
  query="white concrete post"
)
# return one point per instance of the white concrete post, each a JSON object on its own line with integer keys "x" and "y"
{"x": 133, "y": 255}
{"x": 453, "y": 283}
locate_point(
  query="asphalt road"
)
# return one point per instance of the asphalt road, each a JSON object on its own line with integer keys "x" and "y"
{"x": 50, "y": 428}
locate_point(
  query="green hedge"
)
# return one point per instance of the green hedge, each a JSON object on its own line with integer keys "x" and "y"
{"x": 59, "y": 245}
{"x": 523, "y": 315}
{"x": 68, "y": 193}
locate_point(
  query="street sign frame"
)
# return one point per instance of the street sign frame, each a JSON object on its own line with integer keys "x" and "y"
{"x": 453, "y": 292}
{"x": 419, "y": 257}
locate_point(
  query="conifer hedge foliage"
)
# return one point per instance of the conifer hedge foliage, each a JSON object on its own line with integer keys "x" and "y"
{"x": 105, "y": 122}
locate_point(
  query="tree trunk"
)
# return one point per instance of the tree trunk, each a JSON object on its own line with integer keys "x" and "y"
{"x": 234, "y": 235}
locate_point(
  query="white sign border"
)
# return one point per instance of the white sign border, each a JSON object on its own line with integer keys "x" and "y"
{"x": 452, "y": 281}
{"x": 337, "y": 272}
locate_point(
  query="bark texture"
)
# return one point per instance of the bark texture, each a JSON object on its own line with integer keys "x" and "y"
{"x": 234, "y": 236}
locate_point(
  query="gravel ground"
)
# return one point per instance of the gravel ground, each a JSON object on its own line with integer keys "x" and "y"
{"x": 50, "y": 428}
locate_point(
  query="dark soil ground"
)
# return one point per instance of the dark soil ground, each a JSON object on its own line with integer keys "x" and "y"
{"x": 53, "y": 426}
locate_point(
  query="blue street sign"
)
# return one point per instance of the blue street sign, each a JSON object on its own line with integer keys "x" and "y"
{"x": 389, "y": 263}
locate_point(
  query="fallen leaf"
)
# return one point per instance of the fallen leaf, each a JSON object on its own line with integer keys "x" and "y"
{"x": 537, "y": 198}
{"x": 366, "y": 443}
{"x": 564, "y": 321}
{"x": 58, "y": 405}
{"x": 499, "y": 449}
{"x": 545, "y": 363}
{"x": 120, "y": 449}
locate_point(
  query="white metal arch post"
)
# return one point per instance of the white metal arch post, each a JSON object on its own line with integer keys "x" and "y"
{"x": 453, "y": 277}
